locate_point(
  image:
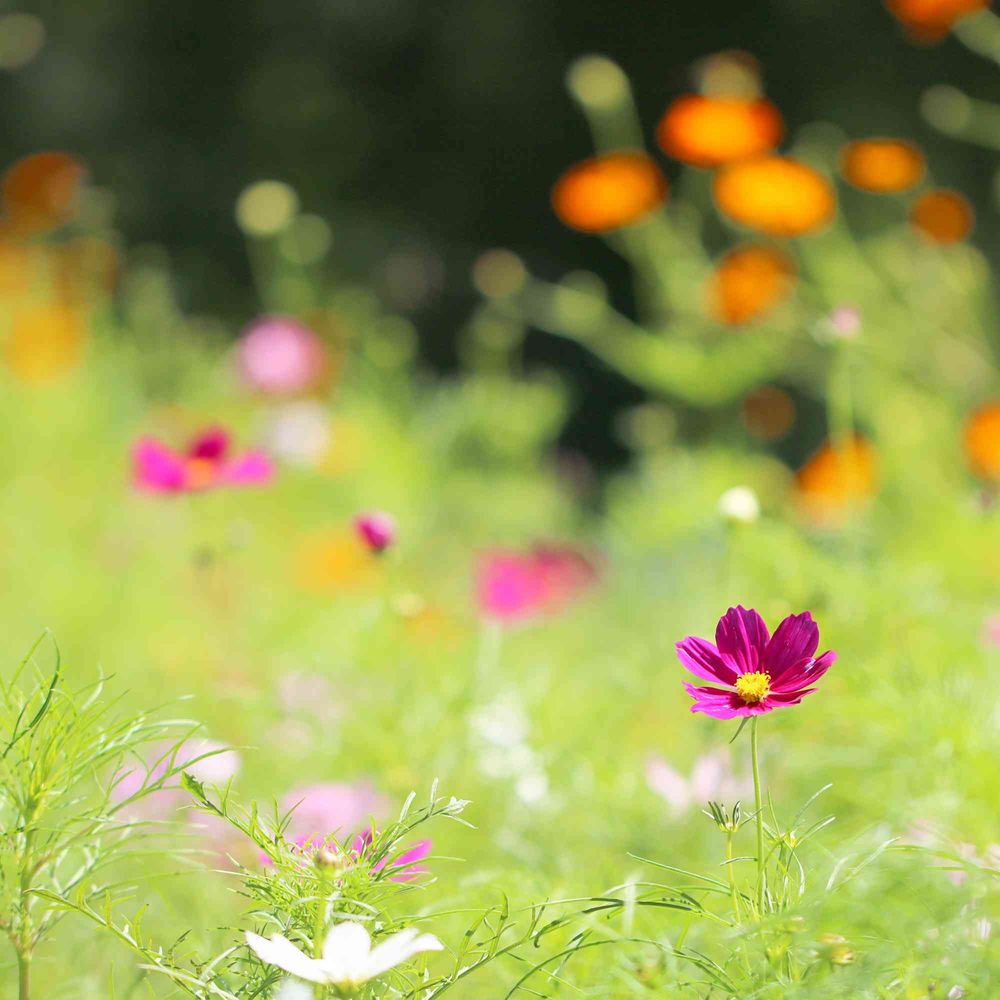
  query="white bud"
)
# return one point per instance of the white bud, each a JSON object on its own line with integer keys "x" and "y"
{"x": 739, "y": 504}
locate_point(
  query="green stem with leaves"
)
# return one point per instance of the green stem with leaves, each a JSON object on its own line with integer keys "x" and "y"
{"x": 759, "y": 816}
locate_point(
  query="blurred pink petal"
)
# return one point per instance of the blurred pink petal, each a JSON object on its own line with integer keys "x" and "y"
{"x": 251, "y": 469}
{"x": 279, "y": 356}
{"x": 156, "y": 468}
{"x": 376, "y": 529}
{"x": 211, "y": 444}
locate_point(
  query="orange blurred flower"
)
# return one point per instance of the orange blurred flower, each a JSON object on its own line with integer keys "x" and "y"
{"x": 931, "y": 20}
{"x": 40, "y": 191}
{"x": 942, "y": 216}
{"x": 609, "y": 191}
{"x": 982, "y": 440}
{"x": 775, "y": 195}
{"x": 748, "y": 282}
{"x": 334, "y": 560}
{"x": 882, "y": 166}
{"x": 45, "y": 341}
{"x": 836, "y": 480}
{"x": 768, "y": 413}
{"x": 710, "y": 131}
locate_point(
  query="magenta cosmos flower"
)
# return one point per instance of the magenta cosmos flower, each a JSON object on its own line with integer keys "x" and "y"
{"x": 206, "y": 463}
{"x": 516, "y": 586}
{"x": 278, "y": 356}
{"x": 758, "y": 672}
{"x": 376, "y": 529}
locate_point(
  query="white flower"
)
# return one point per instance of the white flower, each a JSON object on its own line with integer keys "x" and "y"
{"x": 348, "y": 956}
{"x": 739, "y": 504}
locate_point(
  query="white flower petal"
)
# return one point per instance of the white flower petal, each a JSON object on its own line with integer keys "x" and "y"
{"x": 345, "y": 952}
{"x": 291, "y": 989}
{"x": 281, "y": 952}
{"x": 399, "y": 948}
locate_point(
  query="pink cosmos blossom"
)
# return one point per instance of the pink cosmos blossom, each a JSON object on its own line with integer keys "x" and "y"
{"x": 759, "y": 672}
{"x": 322, "y": 812}
{"x": 330, "y": 809}
{"x": 515, "y": 586}
{"x": 278, "y": 356}
{"x": 206, "y": 463}
{"x": 712, "y": 780}
{"x": 376, "y": 529}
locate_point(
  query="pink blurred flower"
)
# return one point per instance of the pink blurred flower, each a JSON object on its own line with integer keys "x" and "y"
{"x": 217, "y": 768}
{"x": 514, "y": 586}
{"x": 330, "y": 809}
{"x": 759, "y": 672}
{"x": 206, "y": 463}
{"x": 376, "y": 529}
{"x": 323, "y": 812}
{"x": 278, "y": 356}
{"x": 991, "y": 631}
{"x": 845, "y": 322}
{"x": 712, "y": 780}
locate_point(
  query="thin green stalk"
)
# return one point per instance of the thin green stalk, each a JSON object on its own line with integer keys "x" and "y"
{"x": 840, "y": 398}
{"x": 758, "y": 805}
{"x": 23, "y": 975}
{"x": 732, "y": 875}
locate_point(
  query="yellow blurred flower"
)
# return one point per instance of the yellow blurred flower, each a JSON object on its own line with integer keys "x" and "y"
{"x": 609, "y": 191}
{"x": 45, "y": 341}
{"x": 775, "y": 195}
{"x": 747, "y": 282}
{"x": 710, "y": 131}
{"x": 334, "y": 560}
{"x": 882, "y": 166}
{"x": 942, "y": 216}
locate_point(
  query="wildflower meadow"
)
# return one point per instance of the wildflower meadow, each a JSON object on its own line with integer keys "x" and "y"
{"x": 333, "y": 670}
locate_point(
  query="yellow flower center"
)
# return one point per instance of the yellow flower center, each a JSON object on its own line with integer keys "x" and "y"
{"x": 753, "y": 687}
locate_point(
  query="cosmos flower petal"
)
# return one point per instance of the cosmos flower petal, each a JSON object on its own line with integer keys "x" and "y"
{"x": 794, "y": 640}
{"x": 806, "y": 671}
{"x": 156, "y": 468}
{"x": 741, "y": 637}
{"x": 249, "y": 470}
{"x": 704, "y": 660}
{"x": 211, "y": 444}
{"x": 781, "y": 699}
{"x": 717, "y": 702}
{"x": 400, "y": 948}
{"x": 281, "y": 952}
{"x": 346, "y": 952}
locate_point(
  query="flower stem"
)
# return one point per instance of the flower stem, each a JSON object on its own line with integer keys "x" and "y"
{"x": 758, "y": 806}
{"x": 23, "y": 975}
{"x": 840, "y": 398}
{"x": 732, "y": 875}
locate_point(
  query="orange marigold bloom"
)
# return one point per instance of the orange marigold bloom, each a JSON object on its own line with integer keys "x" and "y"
{"x": 836, "y": 479}
{"x": 931, "y": 20}
{"x": 45, "y": 341}
{"x": 40, "y": 191}
{"x": 710, "y": 131}
{"x": 982, "y": 440}
{"x": 775, "y": 195}
{"x": 748, "y": 282}
{"x": 942, "y": 216}
{"x": 883, "y": 166}
{"x": 609, "y": 191}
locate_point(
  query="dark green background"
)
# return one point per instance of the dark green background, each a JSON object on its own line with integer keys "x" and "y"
{"x": 427, "y": 127}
